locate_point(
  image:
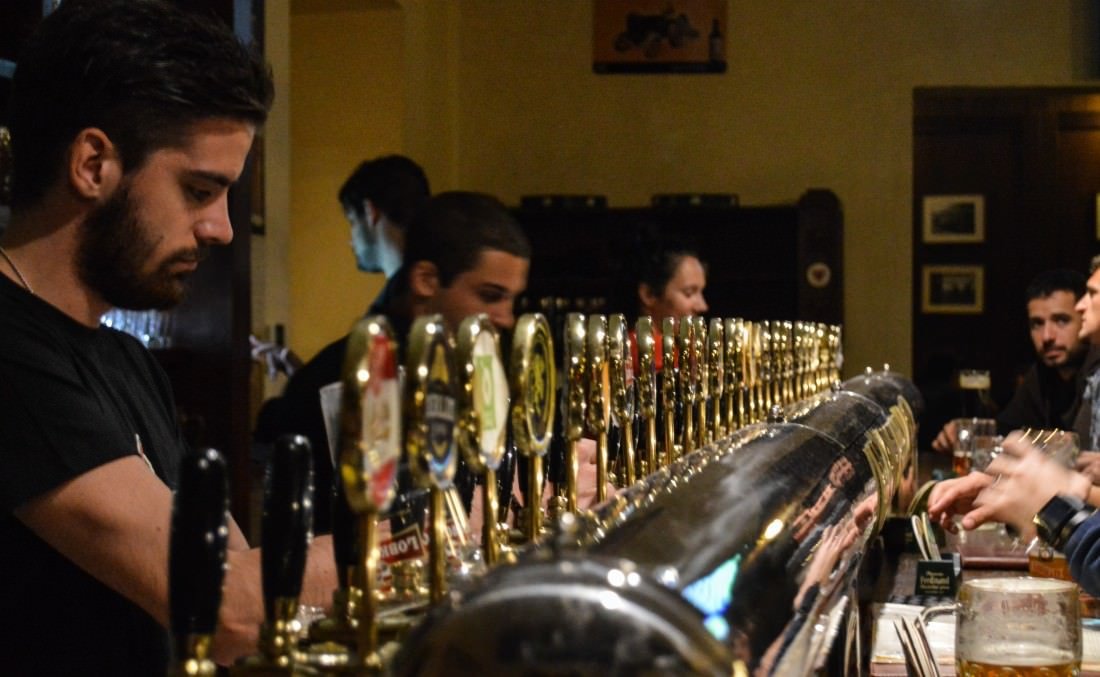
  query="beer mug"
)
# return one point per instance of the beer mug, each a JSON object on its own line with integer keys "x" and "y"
{"x": 1015, "y": 626}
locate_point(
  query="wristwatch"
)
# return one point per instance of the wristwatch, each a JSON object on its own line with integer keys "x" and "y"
{"x": 1059, "y": 518}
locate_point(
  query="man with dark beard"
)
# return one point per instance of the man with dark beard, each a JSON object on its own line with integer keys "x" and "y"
{"x": 130, "y": 120}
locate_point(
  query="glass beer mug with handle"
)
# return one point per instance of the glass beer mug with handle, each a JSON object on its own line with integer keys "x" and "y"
{"x": 1015, "y": 626}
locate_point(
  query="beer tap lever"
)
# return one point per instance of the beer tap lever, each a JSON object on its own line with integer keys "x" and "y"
{"x": 286, "y": 530}
{"x": 196, "y": 560}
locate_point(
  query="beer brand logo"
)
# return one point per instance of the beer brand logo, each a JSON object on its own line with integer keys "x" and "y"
{"x": 490, "y": 393}
{"x": 538, "y": 390}
{"x": 439, "y": 413}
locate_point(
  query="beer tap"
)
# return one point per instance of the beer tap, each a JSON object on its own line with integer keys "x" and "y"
{"x": 286, "y": 530}
{"x": 599, "y": 396}
{"x": 732, "y": 353}
{"x": 768, "y": 371}
{"x": 753, "y": 367}
{"x": 670, "y": 403}
{"x": 429, "y": 431}
{"x": 647, "y": 390}
{"x": 717, "y": 374}
{"x": 620, "y": 365}
{"x": 333, "y": 639}
{"x": 789, "y": 362}
{"x": 837, "y": 351}
{"x": 533, "y": 391}
{"x": 574, "y": 402}
{"x": 483, "y": 417}
{"x": 196, "y": 561}
{"x": 688, "y": 368}
{"x": 701, "y": 379}
{"x": 367, "y": 463}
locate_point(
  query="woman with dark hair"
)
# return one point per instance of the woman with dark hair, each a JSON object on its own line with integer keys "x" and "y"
{"x": 671, "y": 284}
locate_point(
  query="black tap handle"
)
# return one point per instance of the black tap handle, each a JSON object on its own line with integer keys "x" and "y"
{"x": 288, "y": 519}
{"x": 345, "y": 534}
{"x": 196, "y": 552}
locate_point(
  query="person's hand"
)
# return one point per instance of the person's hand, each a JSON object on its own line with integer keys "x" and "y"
{"x": 1088, "y": 464}
{"x": 955, "y": 497}
{"x": 947, "y": 439}
{"x": 1026, "y": 480}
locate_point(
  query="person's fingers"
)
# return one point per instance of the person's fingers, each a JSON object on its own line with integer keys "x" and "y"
{"x": 1003, "y": 465}
{"x": 1016, "y": 445}
{"x": 978, "y": 516}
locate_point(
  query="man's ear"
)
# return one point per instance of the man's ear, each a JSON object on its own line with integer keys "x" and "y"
{"x": 95, "y": 168}
{"x": 424, "y": 279}
{"x": 370, "y": 213}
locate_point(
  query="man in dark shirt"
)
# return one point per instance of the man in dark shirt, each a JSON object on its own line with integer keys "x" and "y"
{"x": 130, "y": 120}
{"x": 465, "y": 255}
{"x": 379, "y": 199}
{"x": 1049, "y": 395}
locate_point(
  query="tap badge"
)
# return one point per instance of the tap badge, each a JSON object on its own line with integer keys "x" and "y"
{"x": 380, "y": 406}
{"x": 538, "y": 390}
{"x": 490, "y": 394}
{"x": 439, "y": 415}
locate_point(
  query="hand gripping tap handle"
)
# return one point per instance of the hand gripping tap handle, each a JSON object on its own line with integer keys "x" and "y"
{"x": 196, "y": 559}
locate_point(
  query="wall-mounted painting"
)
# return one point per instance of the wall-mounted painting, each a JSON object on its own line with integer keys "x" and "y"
{"x": 954, "y": 218}
{"x": 659, "y": 36}
{"x": 952, "y": 289}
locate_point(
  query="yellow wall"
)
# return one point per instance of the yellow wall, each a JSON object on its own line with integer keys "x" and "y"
{"x": 499, "y": 96}
{"x": 347, "y": 105}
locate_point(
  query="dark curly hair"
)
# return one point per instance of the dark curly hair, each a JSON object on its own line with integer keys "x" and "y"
{"x": 143, "y": 71}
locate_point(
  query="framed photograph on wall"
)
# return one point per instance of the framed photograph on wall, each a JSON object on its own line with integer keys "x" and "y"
{"x": 953, "y": 218}
{"x": 952, "y": 289}
{"x": 659, "y": 36}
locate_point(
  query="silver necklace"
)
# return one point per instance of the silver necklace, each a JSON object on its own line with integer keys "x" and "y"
{"x": 18, "y": 274}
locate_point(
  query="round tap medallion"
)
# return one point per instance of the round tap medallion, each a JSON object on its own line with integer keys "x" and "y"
{"x": 430, "y": 404}
{"x": 533, "y": 385}
{"x": 483, "y": 394}
{"x": 371, "y": 418}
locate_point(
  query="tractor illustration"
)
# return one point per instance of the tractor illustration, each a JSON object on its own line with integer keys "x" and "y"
{"x": 648, "y": 32}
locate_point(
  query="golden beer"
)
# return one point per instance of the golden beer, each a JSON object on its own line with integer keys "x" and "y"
{"x": 966, "y": 668}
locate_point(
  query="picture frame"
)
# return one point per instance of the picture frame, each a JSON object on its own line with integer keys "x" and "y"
{"x": 659, "y": 36}
{"x": 953, "y": 289}
{"x": 953, "y": 218}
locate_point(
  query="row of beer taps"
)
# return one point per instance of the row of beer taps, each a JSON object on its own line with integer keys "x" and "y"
{"x": 452, "y": 408}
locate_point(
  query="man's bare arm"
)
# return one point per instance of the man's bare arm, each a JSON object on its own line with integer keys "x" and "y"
{"x": 113, "y": 522}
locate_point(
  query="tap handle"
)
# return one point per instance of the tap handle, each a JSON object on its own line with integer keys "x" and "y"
{"x": 199, "y": 537}
{"x": 288, "y": 519}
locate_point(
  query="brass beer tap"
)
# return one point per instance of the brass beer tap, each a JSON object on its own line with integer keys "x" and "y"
{"x": 533, "y": 392}
{"x": 620, "y": 364}
{"x": 429, "y": 431}
{"x": 483, "y": 417}
{"x": 647, "y": 389}
{"x": 599, "y": 397}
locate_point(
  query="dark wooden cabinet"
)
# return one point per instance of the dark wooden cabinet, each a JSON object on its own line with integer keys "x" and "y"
{"x": 763, "y": 262}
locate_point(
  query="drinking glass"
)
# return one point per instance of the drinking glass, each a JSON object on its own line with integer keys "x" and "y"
{"x": 976, "y": 438}
{"x": 1015, "y": 626}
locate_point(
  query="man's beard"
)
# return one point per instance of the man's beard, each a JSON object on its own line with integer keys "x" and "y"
{"x": 114, "y": 249}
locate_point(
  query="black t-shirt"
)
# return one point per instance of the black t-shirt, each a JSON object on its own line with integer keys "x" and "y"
{"x": 72, "y": 399}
